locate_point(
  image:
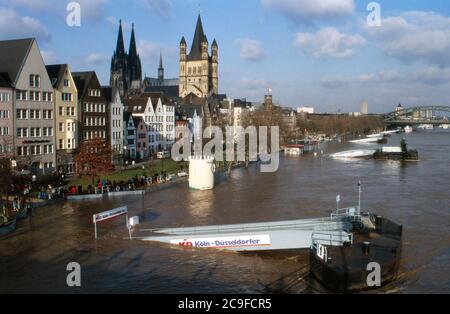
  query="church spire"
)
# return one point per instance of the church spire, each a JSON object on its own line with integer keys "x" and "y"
{"x": 132, "y": 51}
{"x": 120, "y": 48}
{"x": 160, "y": 69}
{"x": 199, "y": 37}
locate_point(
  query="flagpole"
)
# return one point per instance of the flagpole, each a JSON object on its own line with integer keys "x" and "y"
{"x": 359, "y": 196}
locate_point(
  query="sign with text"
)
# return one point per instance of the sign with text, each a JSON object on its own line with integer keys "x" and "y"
{"x": 110, "y": 214}
{"x": 225, "y": 242}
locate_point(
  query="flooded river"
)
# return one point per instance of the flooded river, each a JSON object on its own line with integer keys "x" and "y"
{"x": 416, "y": 194}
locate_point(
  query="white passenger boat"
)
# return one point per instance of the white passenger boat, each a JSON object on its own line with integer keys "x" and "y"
{"x": 360, "y": 153}
{"x": 368, "y": 140}
{"x": 408, "y": 129}
{"x": 389, "y": 132}
{"x": 444, "y": 126}
{"x": 425, "y": 127}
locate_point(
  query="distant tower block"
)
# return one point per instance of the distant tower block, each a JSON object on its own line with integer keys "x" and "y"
{"x": 201, "y": 172}
{"x": 364, "y": 107}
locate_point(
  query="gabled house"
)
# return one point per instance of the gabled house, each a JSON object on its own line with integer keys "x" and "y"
{"x": 115, "y": 121}
{"x": 158, "y": 113}
{"x": 66, "y": 116}
{"x": 141, "y": 138}
{"x": 6, "y": 116}
{"x": 93, "y": 107}
{"x": 33, "y": 106}
{"x": 129, "y": 136}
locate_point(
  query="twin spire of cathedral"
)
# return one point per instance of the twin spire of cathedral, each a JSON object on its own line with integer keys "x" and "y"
{"x": 120, "y": 48}
{"x": 126, "y": 69}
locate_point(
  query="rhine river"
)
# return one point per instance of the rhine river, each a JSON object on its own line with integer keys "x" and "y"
{"x": 415, "y": 194}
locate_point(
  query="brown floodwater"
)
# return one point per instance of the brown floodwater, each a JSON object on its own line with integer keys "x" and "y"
{"x": 416, "y": 194}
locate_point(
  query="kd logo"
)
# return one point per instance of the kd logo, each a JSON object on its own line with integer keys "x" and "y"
{"x": 74, "y": 277}
{"x": 374, "y": 17}
{"x": 374, "y": 277}
{"x": 74, "y": 17}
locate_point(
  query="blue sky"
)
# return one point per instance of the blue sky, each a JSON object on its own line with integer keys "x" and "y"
{"x": 310, "y": 52}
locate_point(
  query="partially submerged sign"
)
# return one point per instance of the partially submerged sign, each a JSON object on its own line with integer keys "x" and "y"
{"x": 225, "y": 242}
{"x": 116, "y": 212}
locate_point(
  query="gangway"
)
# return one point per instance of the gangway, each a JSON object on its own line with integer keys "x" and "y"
{"x": 279, "y": 235}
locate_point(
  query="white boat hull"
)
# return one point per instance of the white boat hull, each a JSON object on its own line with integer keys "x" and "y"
{"x": 354, "y": 153}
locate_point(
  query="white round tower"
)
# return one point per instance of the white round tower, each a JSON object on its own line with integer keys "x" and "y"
{"x": 201, "y": 172}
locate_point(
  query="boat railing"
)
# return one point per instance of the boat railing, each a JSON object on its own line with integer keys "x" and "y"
{"x": 331, "y": 238}
{"x": 327, "y": 223}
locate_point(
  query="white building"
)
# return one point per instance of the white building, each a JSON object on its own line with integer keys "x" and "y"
{"x": 116, "y": 120}
{"x": 129, "y": 137}
{"x": 158, "y": 113}
{"x": 305, "y": 109}
{"x": 364, "y": 107}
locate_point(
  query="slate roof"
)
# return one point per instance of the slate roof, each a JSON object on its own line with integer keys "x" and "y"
{"x": 199, "y": 37}
{"x": 13, "y": 54}
{"x": 169, "y": 91}
{"x": 55, "y": 73}
{"x": 107, "y": 93}
{"x": 4, "y": 80}
{"x": 82, "y": 80}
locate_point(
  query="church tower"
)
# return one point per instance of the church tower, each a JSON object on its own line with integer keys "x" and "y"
{"x": 119, "y": 66}
{"x": 198, "y": 69}
{"x": 160, "y": 70}
{"x": 134, "y": 65}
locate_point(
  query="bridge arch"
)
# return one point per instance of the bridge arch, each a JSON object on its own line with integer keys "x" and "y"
{"x": 418, "y": 115}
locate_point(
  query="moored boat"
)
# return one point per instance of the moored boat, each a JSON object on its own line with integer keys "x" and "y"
{"x": 376, "y": 246}
{"x": 360, "y": 153}
{"x": 368, "y": 140}
{"x": 408, "y": 129}
{"x": 8, "y": 227}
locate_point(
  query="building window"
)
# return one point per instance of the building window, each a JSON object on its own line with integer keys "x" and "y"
{"x": 4, "y": 97}
{"x": 66, "y": 97}
{"x": 35, "y": 80}
{"x": 94, "y": 93}
{"x": 47, "y": 114}
{"x": 21, "y": 95}
{"x": 61, "y": 127}
{"x": 66, "y": 83}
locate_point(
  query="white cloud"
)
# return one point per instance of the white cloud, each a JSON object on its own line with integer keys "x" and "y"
{"x": 329, "y": 43}
{"x": 115, "y": 22}
{"x": 311, "y": 9}
{"x": 251, "y": 49}
{"x": 34, "y": 5}
{"x": 13, "y": 25}
{"x": 414, "y": 36}
{"x": 254, "y": 84}
{"x": 162, "y": 8}
{"x": 428, "y": 76}
{"x": 49, "y": 57}
{"x": 149, "y": 51}
{"x": 97, "y": 58}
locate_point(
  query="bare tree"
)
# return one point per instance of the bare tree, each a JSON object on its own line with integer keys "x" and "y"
{"x": 93, "y": 159}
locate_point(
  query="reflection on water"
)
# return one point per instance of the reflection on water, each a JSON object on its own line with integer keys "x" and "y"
{"x": 34, "y": 258}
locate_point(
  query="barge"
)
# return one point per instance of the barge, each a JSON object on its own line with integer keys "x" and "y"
{"x": 341, "y": 246}
{"x": 375, "y": 248}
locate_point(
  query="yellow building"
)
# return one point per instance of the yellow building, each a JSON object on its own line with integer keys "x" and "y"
{"x": 198, "y": 69}
{"x": 66, "y": 116}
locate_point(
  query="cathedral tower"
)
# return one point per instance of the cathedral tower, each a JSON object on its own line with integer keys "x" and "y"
{"x": 119, "y": 65}
{"x": 126, "y": 70}
{"x": 198, "y": 69}
{"x": 134, "y": 65}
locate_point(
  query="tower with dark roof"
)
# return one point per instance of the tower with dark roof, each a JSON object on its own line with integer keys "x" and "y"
{"x": 119, "y": 65}
{"x": 134, "y": 65}
{"x": 199, "y": 68}
{"x": 160, "y": 70}
{"x": 126, "y": 69}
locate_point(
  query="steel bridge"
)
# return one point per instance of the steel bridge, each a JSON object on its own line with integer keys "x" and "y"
{"x": 435, "y": 115}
